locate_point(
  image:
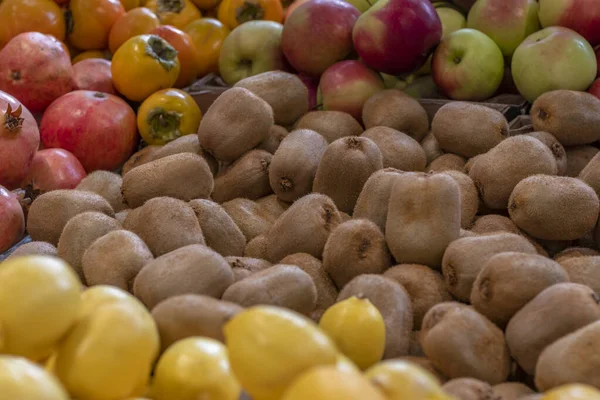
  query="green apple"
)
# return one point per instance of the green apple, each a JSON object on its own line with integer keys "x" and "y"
{"x": 362, "y": 5}
{"x": 422, "y": 87}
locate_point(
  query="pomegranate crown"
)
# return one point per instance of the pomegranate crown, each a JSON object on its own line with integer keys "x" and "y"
{"x": 13, "y": 120}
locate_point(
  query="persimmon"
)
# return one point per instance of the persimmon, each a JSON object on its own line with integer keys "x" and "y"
{"x": 186, "y": 52}
{"x": 206, "y": 5}
{"x": 235, "y": 12}
{"x": 208, "y": 35}
{"x": 130, "y": 4}
{"x": 177, "y": 13}
{"x": 19, "y": 16}
{"x": 135, "y": 22}
{"x": 91, "y": 21}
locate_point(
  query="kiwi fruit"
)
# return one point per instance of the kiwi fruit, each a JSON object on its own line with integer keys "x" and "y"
{"x": 572, "y": 252}
{"x": 512, "y": 390}
{"x": 498, "y": 171}
{"x": 510, "y": 280}
{"x": 252, "y": 219}
{"x": 578, "y": 157}
{"x": 345, "y": 217}
{"x": 573, "y": 117}
{"x": 185, "y": 144}
{"x": 345, "y": 166}
{"x": 590, "y": 173}
{"x": 108, "y": 185}
{"x": 115, "y": 259}
{"x": 424, "y": 363}
{"x": 257, "y": 247}
{"x": 50, "y": 212}
{"x": 464, "y": 259}
{"x": 354, "y": 248}
{"x": 557, "y": 311}
{"x": 469, "y": 197}
{"x": 424, "y": 286}
{"x": 415, "y": 349}
{"x": 554, "y": 207}
{"x": 139, "y": 158}
{"x": 468, "y": 129}
{"x": 423, "y": 217}
{"x": 295, "y": 164}
{"x": 303, "y": 228}
{"x": 431, "y": 147}
{"x": 584, "y": 270}
{"x": 395, "y": 109}
{"x": 398, "y": 150}
{"x": 393, "y": 302}
{"x": 121, "y": 216}
{"x": 470, "y": 389}
{"x": 274, "y": 139}
{"x": 280, "y": 285}
{"x": 220, "y": 231}
{"x": 34, "y": 248}
{"x": 373, "y": 200}
{"x": 235, "y": 123}
{"x": 165, "y": 224}
{"x": 333, "y": 125}
{"x": 284, "y": 92}
{"x": 243, "y": 267}
{"x": 192, "y": 315}
{"x": 557, "y": 149}
{"x": 273, "y": 205}
{"x": 461, "y": 342}
{"x": 470, "y": 162}
{"x": 193, "y": 269}
{"x": 466, "y": 233}
{"x": 492, "y": 223}
{"x": 447, "y": 162}
{"x": 536, "y": 396}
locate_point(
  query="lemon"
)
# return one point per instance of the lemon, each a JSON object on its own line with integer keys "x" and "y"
{"x": 101, "y": 295}
{"x": 345, "y": 364}
{"x": 195, "y": 368}
{"x": 23, "y": 380}
{"x": 574, "y": 391}
{"x": 39, "y": 303}
{"x": 357, "y": 328}
{"x": 270, "y": 346}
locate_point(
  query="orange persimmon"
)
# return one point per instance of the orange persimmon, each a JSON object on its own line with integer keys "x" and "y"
{"x": 19, "y": 16}
{"x": 135, "y": 22}
{"x": 130, "y": 4}
{"x": 177, "y": 13}
{"x": 206, "y": 5}
{"x": 208, "y": 35}
{"x": 186, "y": 52}
{"x": 90, "y": 54}
{"x": 235, "y": 12}
{"x": 91, "y": 21}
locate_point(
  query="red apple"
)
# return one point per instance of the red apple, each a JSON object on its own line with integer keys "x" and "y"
{"x": 53, "y": 169}
{"x": 312, "y": 84}
{"x": 98, "y": 128}
{"x": 12, "y": 220}
{"x": 347, "y": 85}
{"x": 318, "y": 34}
{"x": 94, "y": 74}
{"x": 582, "y": 16}
{"x": 292, "y": 7}
{"x": 595, "y": 88}
{"x": 598, "y": 60}
{"x": 397, "y": 36}
{"x": 36, "y": 69}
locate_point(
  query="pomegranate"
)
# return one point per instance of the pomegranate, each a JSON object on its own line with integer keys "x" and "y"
{"x": 19, "y": 140}
{"x": 100, "y": 129}
{"x": 53, "y": 169}
{"x": 94, "y": 74}
{"x": 36, "y": 69}
{"x": 12, "y": 220}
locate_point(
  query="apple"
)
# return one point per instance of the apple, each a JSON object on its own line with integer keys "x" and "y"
{"x": 468, "y": 65}
{"x": 346, "y": 86}
{"x": 292, "y": 7}
{"x": 553, "y": 58}
{"x": 582, "y": 16}
{"x": 595, "y": 88}
{"x": 422, "y": 87}
{"x": 397, "y": 36}
{"x": 252, "y": 48}
{"x": 507, "y": 22}
{"x": 598, "y": 60}
{"x": 312, "y": 84}
{"x": 464, "y": 4}
{"x": 54, "y": 169}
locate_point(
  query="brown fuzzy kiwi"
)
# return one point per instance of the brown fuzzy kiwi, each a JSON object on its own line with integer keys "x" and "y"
{"x": 295, "y": 164}
{"x": 395, "y": 109}
{"x": 578, "y": 157}
{"x": 431, "y": 147}
{"x": 248, "y": 177}
{"x": 121, "y": 216}
{"x": 447, "y": 162}
{"x": 470, "y": 162}
{"x": 326, "y": 290}
{"x": 399, "y": 150}
{"x": 554, "y": 207}
{"x": 498, "y": 171}
{"x": 303, "y": 228}
{"x": 50, "y": 212}
{"x": 193, "y": 269}
{"x": 131, "y": 219}
{"x": 354, "y": 248}
{"x": 584, "y": 270}
{"x": 512, "y": 390}
{"x": 34, "y": 248}
{"x": 573, "y": 252}
{"x": 557, "y": 149}
{"x": 273, "y": 205}
{"x": 190, "y": 315}
{"x": 345, "y": 167}
{"x": 465, "y": 258}
{"x": 423, "y": 217}
{"x": 243, "y": 267}
{"x": 183, "y": 176}
{"x": 345, "y": 216}
{"x": 470, "y": 389}
{"x": 510, "y": 280}
{"x": 185, "y": 144}
{"x": 573, "y": 117}
{"x": 468, "y": 129}
{"x": 373, "y": 200}
{"x": 333, "y": 125}
{"x": 460, "y": 342}
{"x": 272, "y": 142}
{"x": 139, "y": 158}
{"x": 424, "y": 363}
{"x": 280, "y": 285}
{"x": 466, "y": 233}
{"x": 535, "y": 396}
{"x": 108, "y": 185}
{"x": 557, "y": 311}
{"x": 469, "y": 197}
{"x": 252, "y": 219}
{"x": 492, "y": 223}
{"x": 393, "y": 302}
{"x": 115, "y": 259}
{"x": 165, "y": 224}
{"x": 424, "y": 286}
{"x": 220, "y": 232}
{"x": 415, "y": 349}
{"x": 257, "y": 247}
{"x": 590, "y": 174}
{"x": 236, "y": 122}
{"x": 573, "y": 358}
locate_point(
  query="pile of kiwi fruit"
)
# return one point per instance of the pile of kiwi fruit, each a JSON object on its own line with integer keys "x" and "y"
{"x": 480, "y": 248}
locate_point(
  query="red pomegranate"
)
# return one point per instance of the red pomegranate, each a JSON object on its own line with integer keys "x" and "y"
{"x": 98, "y": 128}
{"x": 53, "y": 169}
{"x": 94, "y": 74}
{"x": 19, "y": 140}
{"x": 36, "y": 69}
{"x": 12, "y": 220}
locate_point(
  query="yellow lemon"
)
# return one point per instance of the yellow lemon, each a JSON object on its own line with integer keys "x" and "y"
{"x": 101, "y": 295}
{"x": 23, "y": 380}
{"x": 357, "y": 328}
{"x": 270, "y": 346}
{"x": 574, "y": 391}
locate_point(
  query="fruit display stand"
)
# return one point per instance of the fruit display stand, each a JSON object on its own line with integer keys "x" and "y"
{"x": 520, "y": 125}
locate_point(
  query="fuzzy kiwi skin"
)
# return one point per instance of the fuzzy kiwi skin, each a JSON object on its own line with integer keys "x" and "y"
{"x": 512, "y": 390}
{"x": 184, "y": 176}
{"x": 469, "y": 197}
{"x": 273, "y": 205}
{"x": 139, "y": 158}
{"x": 573, "y": 117}
{"x": 468, "y": 129}
{"x": 470, "y": 389}
{"x": 121, "y": 216}
{"x": 461, "y": 342}
{"x": 115, "y": 259}
{"x": 219, "y": 230}
{"x": 423, "y": 217}
{"x": 470, "y": 162}
{"x": 554, "y": 207}
{"x": 193, "y": 269}
{"x": 252, "y": 219}
{"x": 34, "y": 248}
{"x": 235, "y": 123}
{"x": 295, "y": 164}
{"x": 243, "y": 267}
{"x": 578, "y": 157}
{"x": 273, "y": 141}
{"x": 498, "y": 171}
{"x": 494, "y": 223}
{"x": 257, "y": 247}
{"x": 431, "y": 147}
{"x": 372, "y": 203}
{"x": 447, "y": 162}
{"x": 333, "y": 125}
{"x": 248, "y": 177}
{"x": 573, "y": 252}
{"x": 108, "y": 185}
{"x": 557, "y": 149}
{"x": 584, "y": 270}
{"x": 280, "y": 285}
{"x": 464, "y": 258}
{"x": 510, "y": 280}
{"x": 354, "y": 248}
{"x": 555, "y": 312}
{"x": 590, "y": 173}
{"x": 190, "y": 315}
{"x": 185, "y": 144}
{"x": 399, "y": 150}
